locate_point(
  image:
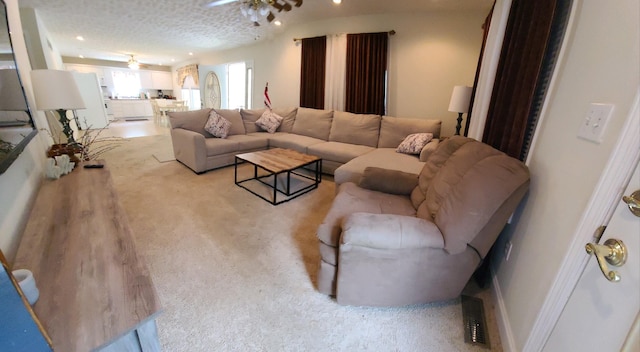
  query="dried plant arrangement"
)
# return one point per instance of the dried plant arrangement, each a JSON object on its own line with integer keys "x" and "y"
{"x": 92, "y": 145}
{"x": 89, "y": 146}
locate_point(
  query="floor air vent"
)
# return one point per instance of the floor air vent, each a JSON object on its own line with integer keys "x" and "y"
{"x": 475, "y": 324}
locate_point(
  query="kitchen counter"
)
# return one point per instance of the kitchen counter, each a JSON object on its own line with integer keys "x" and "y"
{"x": 126, "y": 108}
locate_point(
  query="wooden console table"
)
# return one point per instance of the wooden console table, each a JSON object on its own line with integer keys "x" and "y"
{"x": 96, "y": 292}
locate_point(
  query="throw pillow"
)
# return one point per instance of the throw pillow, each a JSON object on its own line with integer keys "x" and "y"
{"x": 269, "y": 121}
{"x": 217, "y": 125}
{"x": 388, "y": 181}
{"x": 414, "y": 143}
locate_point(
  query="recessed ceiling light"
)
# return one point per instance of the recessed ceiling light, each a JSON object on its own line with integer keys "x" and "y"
{"x": 80, "y": 37}
{"x": 190, "y": 54}
{"x": 337, "y": 2}
{"x": 81, "y": 56}
{"x": 173, "y": 60}
{"x": 277, "y": 23}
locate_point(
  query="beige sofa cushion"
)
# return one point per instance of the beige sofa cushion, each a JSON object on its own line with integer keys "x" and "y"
{"x": 193, "y": 120}
{"x": 464, "y": 183}
{"x": 393, "y": 130}
{"x": 339, "y": 152}
{"x": 235, "y": 144}
{"x": 233, "y": 116}
{"x": 249, "y": 118}
{"x": 351, "y": 199}
{"x": 388, "y": 181}
{"x": 289, "y": 117}
{"x": 313, "y": 123}
{"x": 382, "y": 157}
{"x": 355, "y": 128}
{"x": 292, "y": 141}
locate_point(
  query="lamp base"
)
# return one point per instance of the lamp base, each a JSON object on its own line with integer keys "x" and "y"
{"x": 459, "y": 125}
{"x": 66, "y": 127}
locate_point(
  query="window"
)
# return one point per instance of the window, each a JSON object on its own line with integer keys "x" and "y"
{"x": 191, "y": 94}
{"x": 239, "y": 85}
{"x": 237, "y": 79}
{"x": 126, "y": 84}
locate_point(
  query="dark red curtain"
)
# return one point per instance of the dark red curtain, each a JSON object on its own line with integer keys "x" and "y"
{"x": 527, "y": 34}
{"x": 312, "y": 72}
{"x": 366, "y": 72}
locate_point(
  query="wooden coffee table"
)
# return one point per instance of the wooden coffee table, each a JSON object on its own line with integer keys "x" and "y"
{"x": 280, "y": 165}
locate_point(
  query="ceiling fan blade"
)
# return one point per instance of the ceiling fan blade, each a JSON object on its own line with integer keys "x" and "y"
{"x": 287, "y": 7}
{"x": 298, "y": 3}
{"x": 270, "y": 17}
{"x": 277, "y": 6}
{"x": 256, "y": 24}
{"x": 219, "y": 2}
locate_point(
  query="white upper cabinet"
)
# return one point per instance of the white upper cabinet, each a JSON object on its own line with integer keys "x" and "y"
{"x": 88, "y": 69}
{"x": 108, "y": 78}
{"x": 162, "y": 80}
{"x": 145, "y": 80}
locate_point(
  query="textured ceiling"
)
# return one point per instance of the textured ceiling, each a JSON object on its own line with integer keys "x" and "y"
{"x": 165, "y": 31}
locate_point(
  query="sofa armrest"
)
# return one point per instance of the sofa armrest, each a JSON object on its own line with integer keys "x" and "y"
{"x": 388, "y": 181}
{"x": 428, "y": 149}
{"x": 189, "y": 148}
{"x": 387, "y": 231}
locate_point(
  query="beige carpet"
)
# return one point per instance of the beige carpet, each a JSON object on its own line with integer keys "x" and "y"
{"x": 235, "y": 273}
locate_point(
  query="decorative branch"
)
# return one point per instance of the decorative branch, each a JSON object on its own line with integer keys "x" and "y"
{"x": 92, "y": 145}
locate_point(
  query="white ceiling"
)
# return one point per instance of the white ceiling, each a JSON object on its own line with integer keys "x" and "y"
{"x": 165, "y": 31}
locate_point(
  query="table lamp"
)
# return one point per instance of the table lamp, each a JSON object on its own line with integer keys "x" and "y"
{"x": 57, "y": 90}
{"x": 459, "y": 103}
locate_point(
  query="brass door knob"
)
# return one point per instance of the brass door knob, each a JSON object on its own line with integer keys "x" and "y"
{"x": 633, "y": 202}
{"x": 613, "y": 252}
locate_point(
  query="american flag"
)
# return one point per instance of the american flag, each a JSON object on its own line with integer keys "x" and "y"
{"x": 267, "y": 101}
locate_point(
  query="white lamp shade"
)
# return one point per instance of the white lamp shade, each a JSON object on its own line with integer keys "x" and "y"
{"x": 11, "y": 94}
{"x": 56, "y": 89}
{"x": 460, "y": 99}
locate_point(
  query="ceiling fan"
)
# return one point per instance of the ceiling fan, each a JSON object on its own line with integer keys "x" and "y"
{"x": 253, "y": 9}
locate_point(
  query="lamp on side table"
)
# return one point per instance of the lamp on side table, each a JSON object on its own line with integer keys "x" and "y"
{"x": 57, "y": 90}
{"x": 459, "y": 103}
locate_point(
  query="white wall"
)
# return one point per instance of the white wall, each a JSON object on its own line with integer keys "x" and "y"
{"x": 43, "y": 52}
{"x": 601, "y": 65}
{"x": 19, "y": 184}
{"x": 431, "y": 53}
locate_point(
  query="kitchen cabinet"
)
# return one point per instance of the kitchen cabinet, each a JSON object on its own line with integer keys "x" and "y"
{"x": 149, "y": 80}
{"x": 156, "y": 80}
{"x": 123, "y": 109}
{"x": 145, "y": 80}
{"x": 162, "y": 80}
{"x": 88, "y": 69}
{"x": 108, "y": 79}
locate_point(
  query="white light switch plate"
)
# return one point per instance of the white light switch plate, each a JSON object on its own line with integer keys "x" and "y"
{"x": 594, "y": 124}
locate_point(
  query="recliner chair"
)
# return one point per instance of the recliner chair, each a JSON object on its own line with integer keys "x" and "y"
{"x": 397, "y": 239}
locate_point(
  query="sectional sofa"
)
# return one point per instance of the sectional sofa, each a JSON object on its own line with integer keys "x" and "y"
{"x": 346, "y": 142}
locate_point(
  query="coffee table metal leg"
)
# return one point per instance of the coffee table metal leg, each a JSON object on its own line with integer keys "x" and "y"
{"x": 235, "y": 170}
{"x": 275, "y": 188}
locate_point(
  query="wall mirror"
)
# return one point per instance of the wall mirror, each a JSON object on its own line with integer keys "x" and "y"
{"x": 16, "y": 123}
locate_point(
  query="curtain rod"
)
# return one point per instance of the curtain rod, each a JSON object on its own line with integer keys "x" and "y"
{"x": 391, "y": 32}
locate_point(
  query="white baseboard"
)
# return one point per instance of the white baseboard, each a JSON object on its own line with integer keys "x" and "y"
{"x": 502, "y": 318}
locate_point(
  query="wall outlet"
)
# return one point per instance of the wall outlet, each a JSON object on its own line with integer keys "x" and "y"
{"x": 507, "y": 250}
